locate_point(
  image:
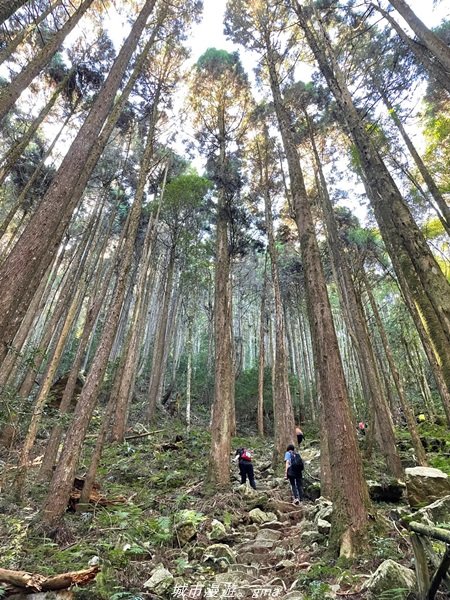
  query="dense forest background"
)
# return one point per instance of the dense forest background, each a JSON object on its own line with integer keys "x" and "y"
{"x": 184, "y": 242}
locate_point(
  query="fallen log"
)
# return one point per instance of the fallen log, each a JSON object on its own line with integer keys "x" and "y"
{"x": 34, "y": 582}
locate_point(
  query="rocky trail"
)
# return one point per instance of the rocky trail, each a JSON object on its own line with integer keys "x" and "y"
{"x": 171, "y": 537}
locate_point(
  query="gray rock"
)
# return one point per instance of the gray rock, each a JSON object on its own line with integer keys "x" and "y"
{"x": 256, "y": 546}
{"x": 434, "y": 513}
{"x": 308, "y": 537}
{"x": 160, "y": 581}
{"x": 268, "y": 534}
{"x": 323, "y": 527}
{"x": 324, "y": 513}
{"x": 218, "y": 531}
{"x": 219, "y": 552}
{"x": 390, "y": 576}
{"x": 258, "y": 516}
{"x": 426, "y": 485}
{"x": 285, "y": 564}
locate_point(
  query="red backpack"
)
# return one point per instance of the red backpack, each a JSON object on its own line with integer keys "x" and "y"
{"x": 246, "y": 454}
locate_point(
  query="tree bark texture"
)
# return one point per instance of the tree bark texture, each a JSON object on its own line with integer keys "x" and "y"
{"x": 349, "y": 491}
{"x": 405, "y": 243}
{"x": 356, "y": 325}
{"x": 29, "y": 258}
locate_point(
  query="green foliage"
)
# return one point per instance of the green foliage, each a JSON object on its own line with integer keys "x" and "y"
{"x": 394, "y": 594}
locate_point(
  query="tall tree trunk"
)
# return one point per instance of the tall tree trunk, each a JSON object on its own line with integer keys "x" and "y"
{"x": 443, "y": 210}
{"x": 94, "y": 304}
{"x": 349, "y": 491}
{"x": 283, "y": 412}
{"x": 222, "y": 422}
{"x": 29, "y": 258}
{"x": 156, "y": 374}
{"x": 409, "y": 415}
{"x": 125, "y": 389}
{"x": 10, "y": 94}
{"x": 421, "y": 53}
{"x": 27, "y": 187}
{"x": 356, "y": 324}
{"x": 61, "y": 483}
{"x": 11, "y": 157}
{"x": 404, "y": 241}
{"x": 43, "y": 393}
{"x": 434, "y": 43}
{"x": 261, "y": 353}
{"x": 189, "y": 352}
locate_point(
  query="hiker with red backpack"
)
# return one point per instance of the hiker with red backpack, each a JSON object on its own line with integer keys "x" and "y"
{"x": 245, "y": 466}
{"x": 294, "y": 471}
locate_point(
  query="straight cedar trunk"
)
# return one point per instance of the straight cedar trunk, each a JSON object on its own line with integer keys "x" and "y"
{"x": 58, "y": 314}
{"x": 406, "y": 408}
{"x": 189, "y": 352}
{"x": 61, "y": 484}
{"x": 222, "y": 421}
{"x": 157, "y": 368}
{"x": 356, "y": 323}
{"x": 20, "y": 37}
{"x": 135, "y": 335}
{"x": 404, "y": 241}
{"x": 434, "y": 43}
{"x": 22, "y": 269}
{"x": 436, "y": 368}
{"x": 44, "y": 390}
{"x": 443, "y": 210}
{"x": 348, "y": 488}
{"x": 420, "y": 52}
{"x": 261, "y": 354}
{"x": 283, "y": 411}
{"x": 10, "y": 93}
{"x": 94, "y": 304}
{"x": 9, "y": 7}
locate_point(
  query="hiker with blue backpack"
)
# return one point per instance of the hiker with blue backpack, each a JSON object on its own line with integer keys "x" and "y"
{"x": 245, "y": 466}
{"x": 294, "y": 471}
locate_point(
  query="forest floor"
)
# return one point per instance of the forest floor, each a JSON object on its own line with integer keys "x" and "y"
{"x": 156, "y": 486}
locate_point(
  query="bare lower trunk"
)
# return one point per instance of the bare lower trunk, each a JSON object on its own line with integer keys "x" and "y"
{"x": 261, "y": 355}
{"x": 33, "y": 252}
{"x": 349, "y": 491}
{"x": 407, "y": 411}
{"x": 61, "y": 484}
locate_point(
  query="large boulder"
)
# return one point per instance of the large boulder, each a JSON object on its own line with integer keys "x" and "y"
{"x": 391, "y": 576}
{"x": 160, "y": 581}
{"x": 425, "y": 485}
